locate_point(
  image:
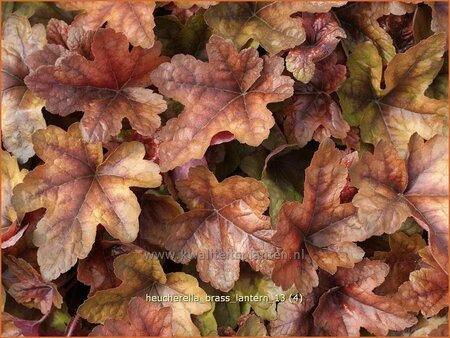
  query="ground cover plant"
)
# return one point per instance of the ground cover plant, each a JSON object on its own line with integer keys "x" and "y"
{"x": 224, "y": 168}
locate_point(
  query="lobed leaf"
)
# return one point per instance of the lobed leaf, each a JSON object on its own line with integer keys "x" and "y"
{"x": 107, "y": 89}
{"x": 81, "y": 189}
{"x": 402, "y": 260}
{"x": 142, "y": 276}
{"x": 30, "y": 289}
{"x": 365, "y": 16}
{"x": 351, "y": 304}
{"x": 400, "y": 109}
{"x": 319, "y": 231}
{"x": 391, "y": 189}
{"x": 229, "y": 93}
{"x": 133, "y": 18}
{"x": 21, "y": 108}
{"x": 323, "y": 33}
{"x": 313, "y": 114}
{"x": 143, "y": 319}
{"x": 268, "y": 23}
{"x": 225, "y": 224}
{"x": 427, "y": 288}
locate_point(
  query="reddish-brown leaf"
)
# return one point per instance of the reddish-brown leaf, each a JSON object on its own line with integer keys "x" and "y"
{"x": 107, "y": 89}
{"x": 132, "y": 18}
{"x": 229, "y": 93}
{"x": 157, "y": 212}
{"x": 427, "y": 288}
{"x": 402, "y": 259}
{"x": 350, "y": 304}
{"x": 142, "y": 276}
{"x": 322, "y": 36}
{"x": 80, "y": 188}
{"x": 391, "y": 189}
{"x": 74, "y": 38}
{"x": 225, "y": 225}
{"x": 29, "y": 288}
{"x": 294, "y": 318}
{"x": 143, "y": 319}
{"x": 313, "y": 114}
{"x": 96, "y": 270}
{"x": 320, "y": 231}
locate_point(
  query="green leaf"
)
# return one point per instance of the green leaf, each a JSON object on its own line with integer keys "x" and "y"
{"x": 252, "y": 327}
{"x": 284, "y": 174}
{"x": 177, "y": 38}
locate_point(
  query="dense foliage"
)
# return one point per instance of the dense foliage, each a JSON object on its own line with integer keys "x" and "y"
{"x": 224, "y": 168}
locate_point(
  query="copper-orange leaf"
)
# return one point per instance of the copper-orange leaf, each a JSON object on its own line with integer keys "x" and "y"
{"x": 107, "y": 89}
{"x": 81, "y": 189}
{"x": 228, "y": 93}
{"x": 320, "y": 231}
{"x": 225, "y": 225}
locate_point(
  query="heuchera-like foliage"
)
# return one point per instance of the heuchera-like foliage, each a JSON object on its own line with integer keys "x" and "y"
{"x": 401, "y": 108}
{"x": 229, "y": 93}
{"x": 29, "y": 288}
{"x": 268, "y": 23}
{"x": 351, "y": 304}
{"x": 143, "y": 319}
{"x": 427, "y": 288}
{"x": 133, "y": 18}
{"x": 224, "y": 168}
{"x": 95, "y": 189}
{"x": 225, "y": 219}
{"x": 320, "y": 231}
{"x": 21, "y": 108}
{"x": 322, "y": 36}
{"x": 107, "y": 89}
{"x": 313, "y": 114}
{"x": 391, "y": 189}
{"x": 143, "y": 276}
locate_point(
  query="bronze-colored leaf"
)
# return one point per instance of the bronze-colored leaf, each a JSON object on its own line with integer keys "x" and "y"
{"x": 21, "y": 109}
{"x": 157, "y": 212}
{"x": 81, "y": 189}
{"x": 323, "y": 33}
{"x": 142, "y": 276}
{"x": 398, "y": 108}
{"x": 320, "y": 231}
{"x": 391, "y": 189}
{"x": 294, "y": 318}
{"x": 365, "y": 16}
{"x": 29, "y": 288}
{"x": 269, "y": 23}
{"x": 427, "y": 288}
{"x": 71, "y": 37}
{"x": 229, "y": 93}
{"x": 143, "y": 319}
{"x": 107, "y": 89}
{"x": 225, "y": 225}
{"x": 132, "y": 18}
{"x": 351, "y": 304}
{"x": 402, "y": 259}
{"x": 96, "y": 270}
{"x": 11, "y": 176}
{"x": 313, "y": 114}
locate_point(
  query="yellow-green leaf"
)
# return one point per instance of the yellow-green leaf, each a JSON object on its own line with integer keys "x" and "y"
{"x": 142, "y": 276}
{"x": 269, "y": 23}
{"x": 400, "y": 109}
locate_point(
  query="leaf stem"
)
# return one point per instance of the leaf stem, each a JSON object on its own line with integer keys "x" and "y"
{"x": 73, "y": 323}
